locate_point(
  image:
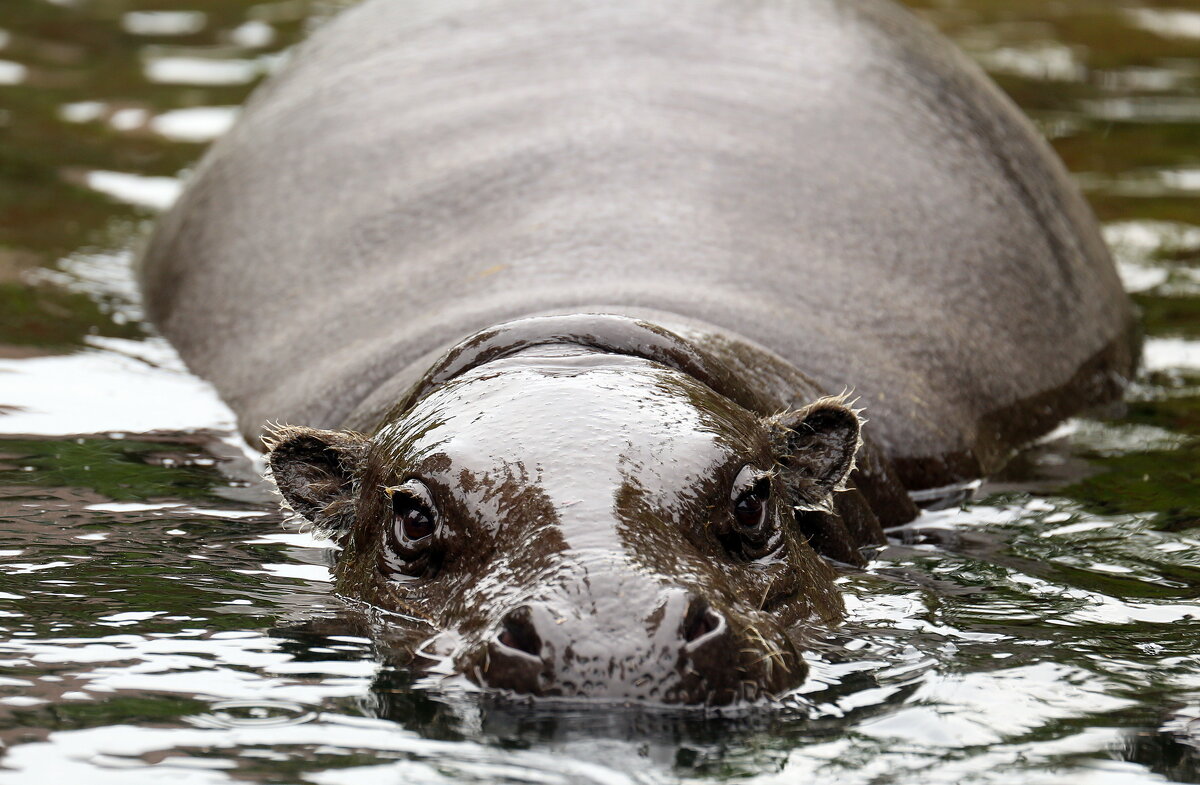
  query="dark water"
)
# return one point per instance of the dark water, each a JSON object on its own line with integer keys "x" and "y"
{"x": 160, "y": 624}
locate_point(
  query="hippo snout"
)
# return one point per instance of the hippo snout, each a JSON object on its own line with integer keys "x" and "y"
{"x": 684, "y": 650}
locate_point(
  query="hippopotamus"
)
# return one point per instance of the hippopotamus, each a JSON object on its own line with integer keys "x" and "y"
{"x": 599, "y": 336}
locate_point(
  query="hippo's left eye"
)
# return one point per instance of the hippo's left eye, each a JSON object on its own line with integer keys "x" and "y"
{"x": 750, "y": 508}
{"x": 410, "y": 542}
{"x": 413, "y": 523}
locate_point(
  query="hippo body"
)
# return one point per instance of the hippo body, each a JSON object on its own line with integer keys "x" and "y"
{"x": 441, "y": 214}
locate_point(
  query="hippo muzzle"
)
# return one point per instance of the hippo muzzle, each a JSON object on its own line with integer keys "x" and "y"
{"x": 576, "y": 522}
{"x": 618, "y": 634}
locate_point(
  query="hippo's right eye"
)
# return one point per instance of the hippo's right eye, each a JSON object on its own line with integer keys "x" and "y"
{"x": 410, "y": 537}
{"x": 750, "y": 532}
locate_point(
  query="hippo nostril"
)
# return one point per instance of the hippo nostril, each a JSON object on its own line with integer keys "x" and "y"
{"x": 701, "y": 621}
{"x": 518, "y": 632}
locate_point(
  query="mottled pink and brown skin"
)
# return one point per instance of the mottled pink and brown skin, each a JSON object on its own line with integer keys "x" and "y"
{"x": 563, "y": 264}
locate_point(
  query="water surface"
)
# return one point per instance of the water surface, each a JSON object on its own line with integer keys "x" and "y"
{"x": 162, "y": 623}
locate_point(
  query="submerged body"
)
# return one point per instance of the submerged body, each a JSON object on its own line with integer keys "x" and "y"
{"x": 579, "y": 271}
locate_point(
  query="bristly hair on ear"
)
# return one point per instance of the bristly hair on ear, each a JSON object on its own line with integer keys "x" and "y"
{"x": 316, "y": 474}
{"x": 816, "y": 446}
{"x": 273, "y": 434}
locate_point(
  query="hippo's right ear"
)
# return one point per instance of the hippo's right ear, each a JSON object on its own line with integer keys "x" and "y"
{"x": 317, "y": 472}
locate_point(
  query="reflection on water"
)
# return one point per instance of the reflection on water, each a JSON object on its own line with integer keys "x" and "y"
{"x": 160, "y": 620}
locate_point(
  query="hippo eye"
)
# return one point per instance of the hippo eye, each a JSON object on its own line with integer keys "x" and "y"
{"x": 411, "y": 522}
{"x": 410, "y": 537}
{"x": 751, "y": 535}
{"x": 750, "y": 509}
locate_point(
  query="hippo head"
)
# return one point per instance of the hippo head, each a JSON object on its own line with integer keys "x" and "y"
{"x": 583, "y": 523}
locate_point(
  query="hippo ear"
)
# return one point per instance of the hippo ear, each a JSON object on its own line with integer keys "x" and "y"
{"x": 815, "y": 446}
{"x": 317, "y": 472}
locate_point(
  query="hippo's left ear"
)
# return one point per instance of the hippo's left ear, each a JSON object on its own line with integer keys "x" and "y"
{"x": 815, "y": 446}
{"x": 317, "y": 472}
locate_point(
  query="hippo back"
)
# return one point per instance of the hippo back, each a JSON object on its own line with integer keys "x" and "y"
{"x": 826, "y": 178}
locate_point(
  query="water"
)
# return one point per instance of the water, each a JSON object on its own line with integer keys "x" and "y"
{"x": 161, "y": 623}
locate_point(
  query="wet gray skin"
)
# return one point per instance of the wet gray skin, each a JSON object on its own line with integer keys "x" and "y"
{"x": 581, "y": 523}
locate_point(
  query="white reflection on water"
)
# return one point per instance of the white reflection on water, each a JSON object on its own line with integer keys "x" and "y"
{"x": 253, "y": 34}
{"x": 157, "y": 193}
{"x": 129, "y": 119}
{"x": 1167, "y": 22}
{"x": 1142, "y": 250}
{"x": 12, "y": 73}
{"x": 197, "y": 124}
{"x": 986, "y": 766}
{"x": 163, "y": 23}
{"x": 1049, "y": 60}
{"x": 985, "y": 708}
{"x": 108, "y": 278}
{"x": 1145, "y": 109}
{"x": 1142, "y": 79}
{"x": 1144, "y": 240}
{"x": 1144, "y": 182}
{"x": 202, "y": 70}
{"x": 82, "y": 111}
{"x": 191, "y": 663}
{"x": 119, "y": 755}
{"x": 1167, "y": 353}
{"x": 307, "y": 572}
{"x": 100, "y": 390}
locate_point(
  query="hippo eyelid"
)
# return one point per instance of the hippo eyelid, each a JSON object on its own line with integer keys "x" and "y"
{"x": 414, "y": 489}
{"x": 748, "y": 479}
